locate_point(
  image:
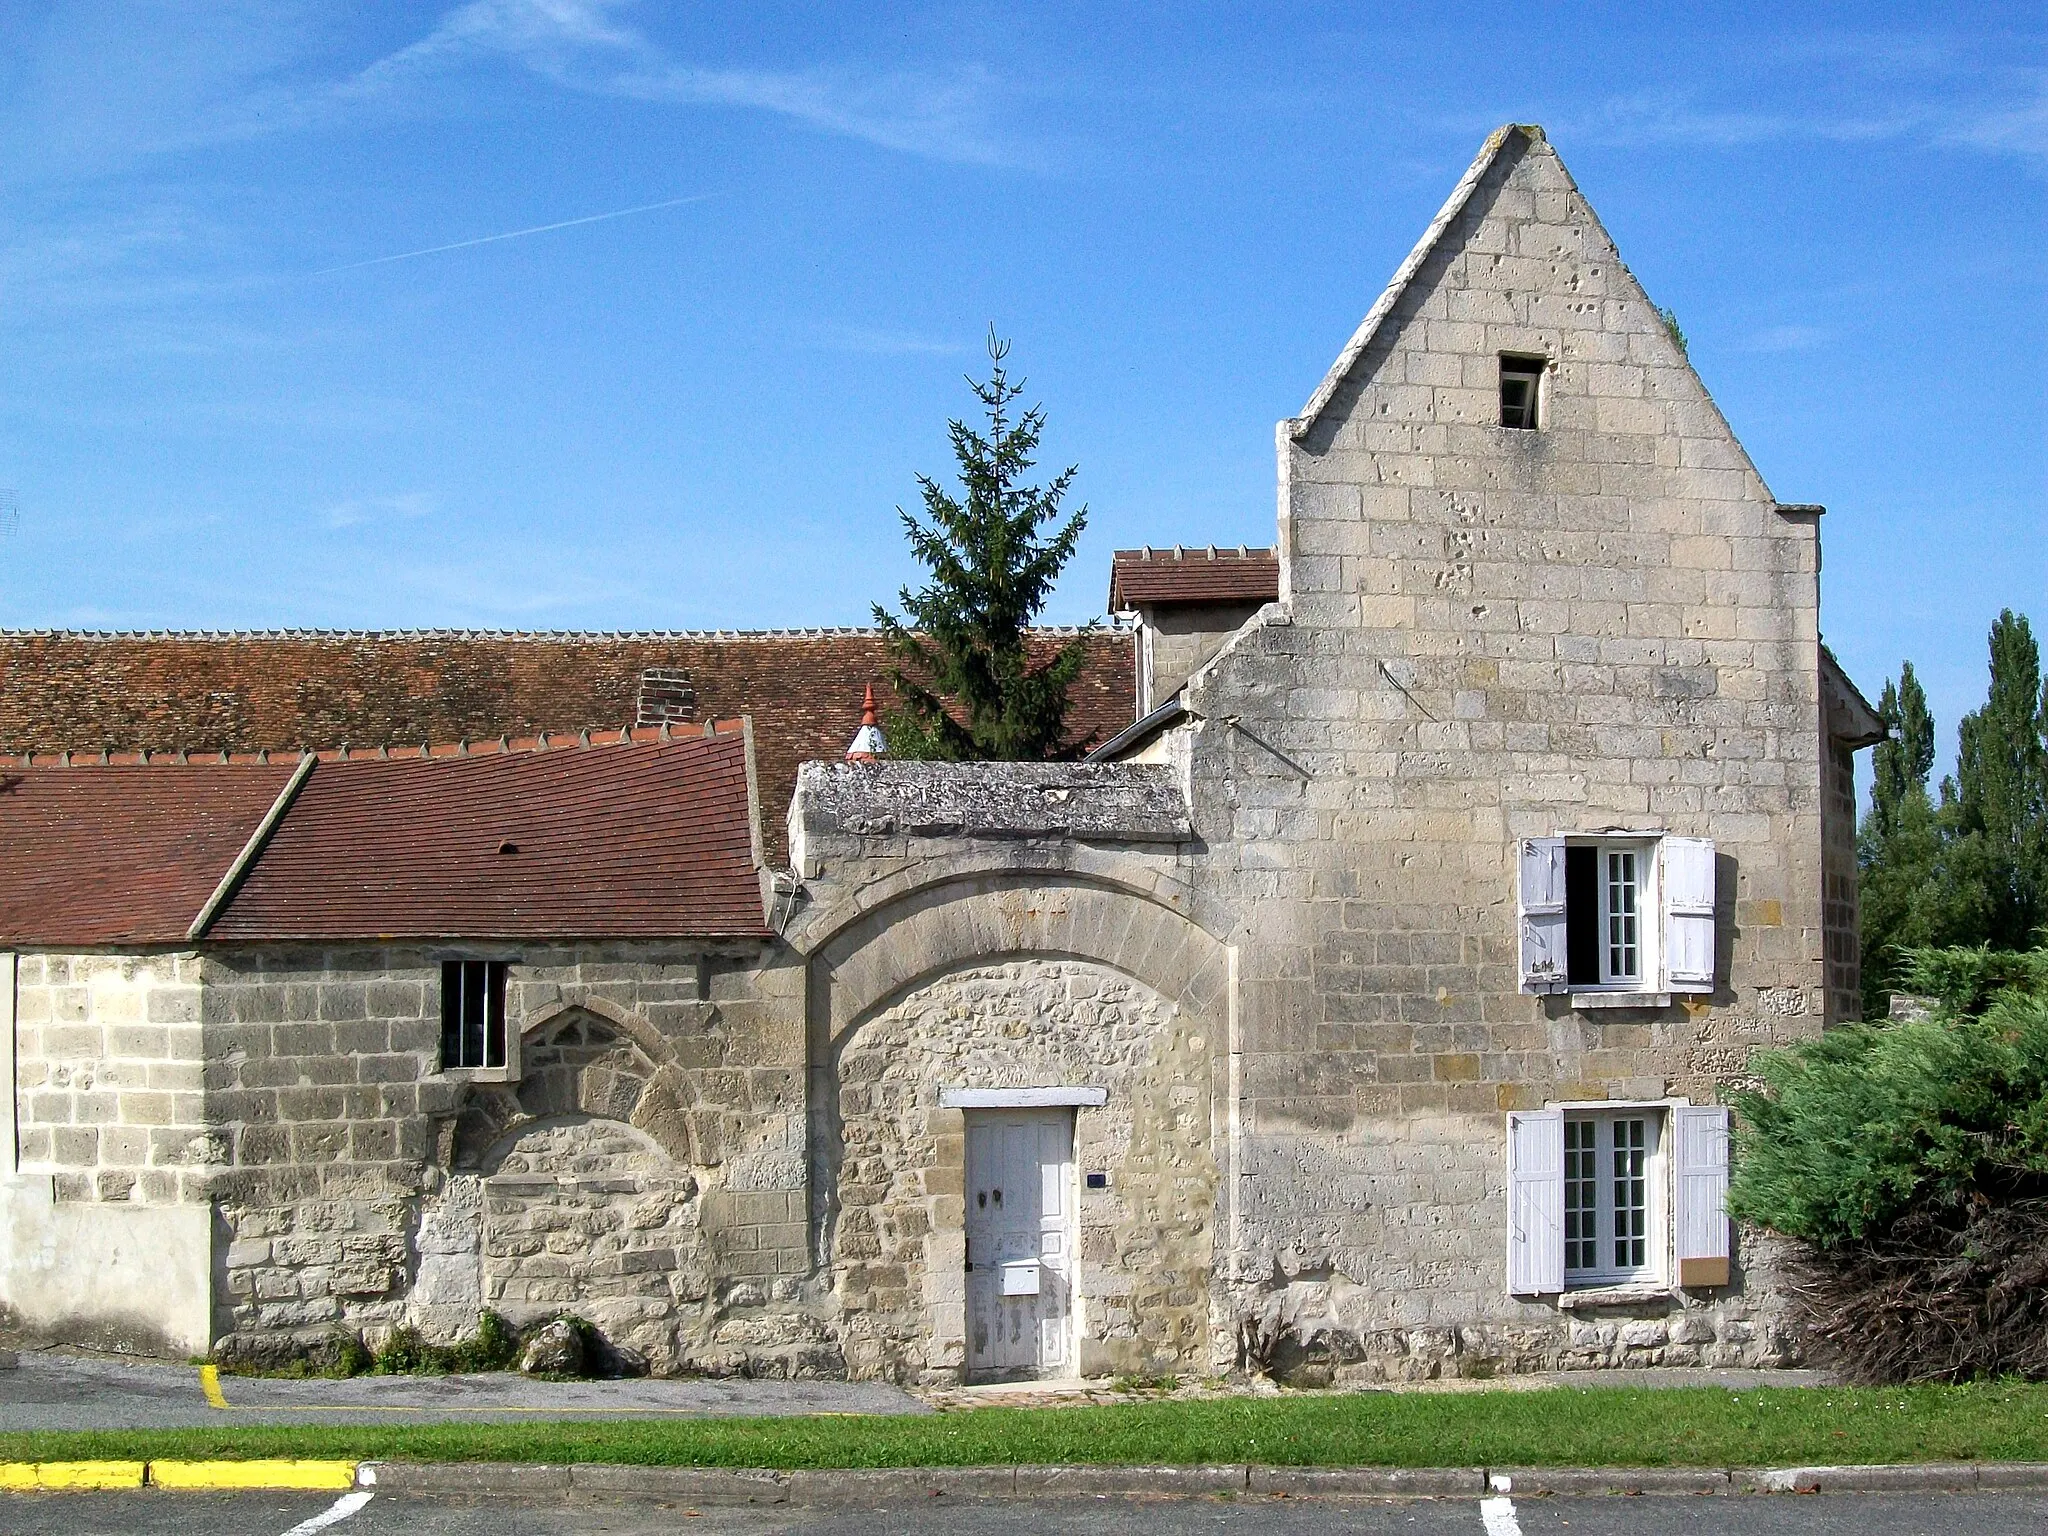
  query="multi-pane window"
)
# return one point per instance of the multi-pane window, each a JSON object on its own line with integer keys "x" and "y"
{"x": 472, "y": 1013}
{"x": 1619, "y": 909}
{"x": 1610, "y": 1218}
{"x": 1606, "y": 888}
{"x": 1521, "y": 392}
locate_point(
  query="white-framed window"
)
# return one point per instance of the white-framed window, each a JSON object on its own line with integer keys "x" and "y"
{"x": 1617, "y": 1195}
{"x": 1616, "y": 913}
{"x": 473, "y": 1033}
{"x": 1613, "y": 1215}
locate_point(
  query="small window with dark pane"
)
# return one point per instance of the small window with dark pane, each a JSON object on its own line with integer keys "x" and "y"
{"x": 472, "y": 1013}
{"x": 1521, "y": 392}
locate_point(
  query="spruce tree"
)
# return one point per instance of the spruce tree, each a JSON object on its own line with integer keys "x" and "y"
{"x": 970, "y": 688}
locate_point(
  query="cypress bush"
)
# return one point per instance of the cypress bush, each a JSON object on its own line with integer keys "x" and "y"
{"x": 1909, "y": 1162}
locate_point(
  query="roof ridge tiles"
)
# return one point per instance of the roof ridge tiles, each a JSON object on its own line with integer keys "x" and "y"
{"x": 787, "y": 632}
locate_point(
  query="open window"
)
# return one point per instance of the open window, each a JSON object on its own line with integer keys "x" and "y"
{"x": 1631, "y": 1195}
{"x": 1616, "y": 915}
{"x": 473, "y": 1015}
{"x": 1521, "y": 392}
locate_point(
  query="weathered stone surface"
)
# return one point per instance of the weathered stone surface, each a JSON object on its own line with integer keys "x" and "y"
{"x": 1122, "y": 801}
{"x": 555, "y": 1349}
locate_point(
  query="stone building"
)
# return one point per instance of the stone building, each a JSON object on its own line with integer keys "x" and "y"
{"x": 1363, "y": 1007}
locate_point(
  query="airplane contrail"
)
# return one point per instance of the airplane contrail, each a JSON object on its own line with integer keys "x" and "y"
{"x": 514, "y": 234}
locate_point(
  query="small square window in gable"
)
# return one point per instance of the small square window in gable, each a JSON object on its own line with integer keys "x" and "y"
{"x": 1521, "y": 392}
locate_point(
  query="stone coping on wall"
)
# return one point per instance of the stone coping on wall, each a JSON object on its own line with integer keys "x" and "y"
{"x": 1124, "y": 802}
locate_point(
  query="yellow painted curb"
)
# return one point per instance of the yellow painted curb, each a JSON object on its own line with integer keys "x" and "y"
{"x": 253, "y": 1474}
{"x": 25, "y": 1476}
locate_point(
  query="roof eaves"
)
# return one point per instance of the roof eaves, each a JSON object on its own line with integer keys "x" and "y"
{"x": 1141, "y": 730}
{"x": 1868, "y": 727}
{"x": 1362, "y": 338}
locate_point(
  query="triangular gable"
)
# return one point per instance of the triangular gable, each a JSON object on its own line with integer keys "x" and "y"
{"x": 1510, "y": 138}
{"x": 1490, "y": 151}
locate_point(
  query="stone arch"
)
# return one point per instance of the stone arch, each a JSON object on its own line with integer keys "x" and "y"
{"x": 929, "y": 929}
{"x": 1061, "y": 976}
{"x": 590, "y": 1058}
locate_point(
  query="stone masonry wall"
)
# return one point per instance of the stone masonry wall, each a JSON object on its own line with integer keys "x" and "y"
{"x": 353, "y": 1159}
{"x": 1146, "y": 1241}
{"x": 108, "y": 1077}
{"x": 1494, "y": 634}
{"x": 1844, "y": 919}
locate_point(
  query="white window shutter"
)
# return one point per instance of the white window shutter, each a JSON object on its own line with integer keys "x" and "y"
{"x": 1536, "y": 1202}
{"x": 1700, "y": 1194}
{"x": 1688, "y": 914}
{"x": 1539, "y": 909}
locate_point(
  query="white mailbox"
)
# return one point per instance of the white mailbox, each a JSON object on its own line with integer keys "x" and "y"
{"x": 1020, "y": 1277}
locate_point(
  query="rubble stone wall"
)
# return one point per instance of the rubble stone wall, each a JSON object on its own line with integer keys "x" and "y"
{"x": 1146, "y": 1241}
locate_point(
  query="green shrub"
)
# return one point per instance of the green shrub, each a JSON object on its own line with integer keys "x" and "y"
{"x": 1856, "y": 1127}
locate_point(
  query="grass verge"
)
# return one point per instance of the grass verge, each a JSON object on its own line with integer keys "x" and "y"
{"x": 1555, "y": 1427}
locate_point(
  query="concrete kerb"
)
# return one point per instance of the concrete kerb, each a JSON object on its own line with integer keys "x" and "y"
{"x": 882, "y": 1485}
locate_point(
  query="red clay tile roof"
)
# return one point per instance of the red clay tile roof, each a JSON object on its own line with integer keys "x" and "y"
{"x": 122, "y": 855}
{"x": 1138, "y": 577}
{"x": 642, "y": 840}
{"x": 285, "y": 690}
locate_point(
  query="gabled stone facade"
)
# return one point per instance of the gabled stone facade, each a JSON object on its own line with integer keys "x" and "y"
{"x": 1357, "y": 1016}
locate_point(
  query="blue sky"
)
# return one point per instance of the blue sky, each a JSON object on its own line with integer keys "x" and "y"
{"x": 222, "y": 403}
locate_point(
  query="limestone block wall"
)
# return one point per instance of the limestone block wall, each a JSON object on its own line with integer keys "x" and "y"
{"x": 108, "y": 1077}
{"x": 1493, "y": 634}
{"x": 366, "y": 1187}
{"x": 1843, "y": 923}
{"x": 1176, "y": 639}
{"x": 1146, "y": 1241}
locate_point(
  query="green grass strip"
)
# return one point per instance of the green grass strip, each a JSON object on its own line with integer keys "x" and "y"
{"x": 1549, "y": 1427}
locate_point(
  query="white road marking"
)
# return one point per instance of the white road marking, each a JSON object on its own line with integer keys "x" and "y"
{"x": 1498, "y": 1513}
{"x": 349, "y": 1503}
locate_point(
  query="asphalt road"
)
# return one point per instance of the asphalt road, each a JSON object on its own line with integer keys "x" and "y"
{"x": 51, "y": 1389}
{"x": 184, "y": 1514}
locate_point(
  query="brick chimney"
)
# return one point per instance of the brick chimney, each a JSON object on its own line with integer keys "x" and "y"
{"x": 666, "y": 697}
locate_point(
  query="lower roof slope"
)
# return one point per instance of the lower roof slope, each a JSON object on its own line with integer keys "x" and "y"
{"x": 125, "y": 854}
{"x": 643, "y": 839}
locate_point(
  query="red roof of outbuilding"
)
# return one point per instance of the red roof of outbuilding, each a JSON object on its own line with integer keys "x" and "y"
{"x": 1138, "y": 577}
{"x": 641, "y": 840}
{"x": 122, "y": 855}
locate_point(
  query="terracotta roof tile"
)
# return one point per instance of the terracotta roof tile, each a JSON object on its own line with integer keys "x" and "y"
{"x": 122, "y": 854}
{"x": 643, "y": 839}
{"x": 1138, "y": 577}
{"x": 283, "y": 690}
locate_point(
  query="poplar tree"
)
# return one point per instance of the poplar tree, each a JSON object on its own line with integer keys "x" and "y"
{"x": 970, "y": 687}
{"x": 1999, "y": 802}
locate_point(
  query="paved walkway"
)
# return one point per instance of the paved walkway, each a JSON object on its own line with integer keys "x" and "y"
{"x": 53, "y": 1389}
{"x": 1062, "y": 1394}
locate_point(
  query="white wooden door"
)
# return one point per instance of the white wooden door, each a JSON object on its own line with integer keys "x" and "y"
{"x": 1020, "y": 1242}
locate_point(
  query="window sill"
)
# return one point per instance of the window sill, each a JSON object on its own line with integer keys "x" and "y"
{"x": 478, "y": 1074}
{"x": 1615, "y": 1296}
{"x": 1591, "y": 1000}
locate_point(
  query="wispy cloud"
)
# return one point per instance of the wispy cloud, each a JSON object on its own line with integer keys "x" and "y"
{"x": 356, "y": 510}
{"x": 584, "y": 45}
{"x": 515, "y": 234}
{"x": 873, "y": 342}
{"x": 1927, "y": 89}
{"x": 1785, "y": 338}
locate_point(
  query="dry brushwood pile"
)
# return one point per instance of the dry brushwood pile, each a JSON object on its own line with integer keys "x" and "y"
{"x": 1909, "y": 1162}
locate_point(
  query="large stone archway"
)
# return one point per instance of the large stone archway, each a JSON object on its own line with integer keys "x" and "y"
{"x": 1008, "y": 981}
